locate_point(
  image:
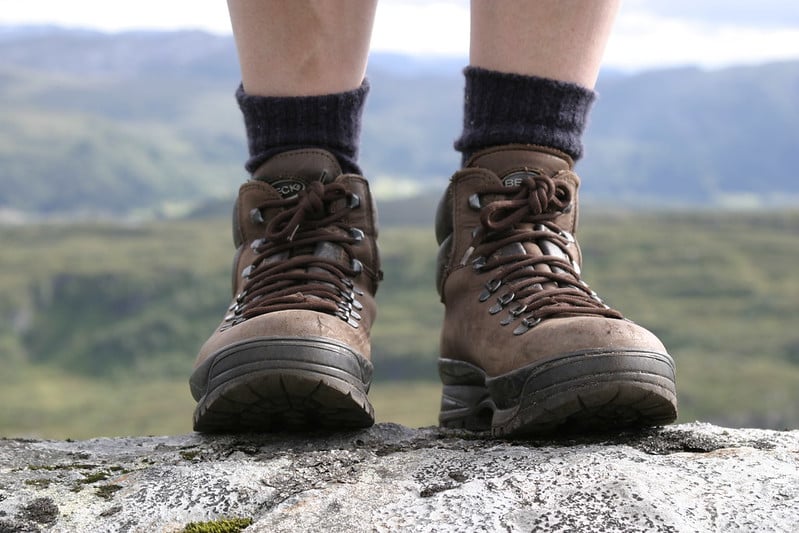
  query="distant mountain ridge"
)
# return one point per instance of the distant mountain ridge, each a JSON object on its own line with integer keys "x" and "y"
{"x": 145, "y": 122}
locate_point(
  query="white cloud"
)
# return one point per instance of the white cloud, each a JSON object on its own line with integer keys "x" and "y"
{"x": 642, "y": 40}
{"x": 422, "y": 28}
{"x": 648, "y": 33}
{"x": 120, "y": 15}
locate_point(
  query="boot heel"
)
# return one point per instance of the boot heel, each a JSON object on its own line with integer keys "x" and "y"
{"x": 465, "y": 401}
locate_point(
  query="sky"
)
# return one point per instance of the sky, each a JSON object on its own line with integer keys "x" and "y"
{"x": 648, "y": 33}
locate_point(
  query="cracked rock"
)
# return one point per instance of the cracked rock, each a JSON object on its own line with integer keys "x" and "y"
{"x": 693, "y": 477}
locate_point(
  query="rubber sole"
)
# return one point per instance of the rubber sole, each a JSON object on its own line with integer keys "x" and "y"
{"x": 282, "y": 384}
{"x": 586, "y": 392}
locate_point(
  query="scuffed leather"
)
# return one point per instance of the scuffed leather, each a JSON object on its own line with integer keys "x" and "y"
{"x": 470, "y": 333}
{"x": 300, "y": 323}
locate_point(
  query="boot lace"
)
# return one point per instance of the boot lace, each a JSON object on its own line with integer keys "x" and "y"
{"x": 305, "y": 259}
{"x": 527, "y": 215}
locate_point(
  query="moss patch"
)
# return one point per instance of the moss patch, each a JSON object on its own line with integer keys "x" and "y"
{"x": 189, "y": 454}
{"x": 223, "y": 525}
{"x": 41, "y": 510}
{"x": 107, "y": 491}
{"x": 39, "y": 483}
{"x": 92, "y": 478}
{"x": 70, "y": 466}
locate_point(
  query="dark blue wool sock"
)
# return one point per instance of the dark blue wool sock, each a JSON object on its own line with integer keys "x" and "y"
{"x": 501, "y": 108}
{"x": 277, "y": 124}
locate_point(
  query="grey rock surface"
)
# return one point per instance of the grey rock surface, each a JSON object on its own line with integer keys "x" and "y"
{"x": 693, "y": 477}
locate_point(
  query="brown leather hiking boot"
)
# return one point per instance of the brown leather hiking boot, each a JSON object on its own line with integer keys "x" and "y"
{"x": 527, "y": 347}
{"x": 293, "y": 350}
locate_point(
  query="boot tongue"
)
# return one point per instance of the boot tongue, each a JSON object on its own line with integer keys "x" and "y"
{"x": 290, "y": 172}
{"x": 513, "y": 162}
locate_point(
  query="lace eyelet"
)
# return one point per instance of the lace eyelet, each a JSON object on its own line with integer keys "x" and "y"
{"x": 353, "y": 200}
{"x": 506, "y": 298}
{"x": 356, "y": 266}
{"x": 491, "y": 287}
{"x": 256, "y": 216}
{"x": 526, "y": 325}
{"x": 247, "y": 271}
{"x": 474, "y": 202}
{"x": 518, "y": 310}
{"x": 256, "y": 244}
{"x": 357, "y": 234}
{"x": 235, "y": 311}
{"x": 568, "y": 236}
{"x": 346, "y": 317}
{"x": 478, "y": 263}
{"x": 502, "y": 301}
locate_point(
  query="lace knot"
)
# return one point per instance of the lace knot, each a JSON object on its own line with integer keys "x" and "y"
{"x": 308, "y": 207}
{"x": 538, "y": 198}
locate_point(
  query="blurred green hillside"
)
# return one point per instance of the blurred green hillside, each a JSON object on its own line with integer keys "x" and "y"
{"x": 132, "y": 303}
{"x": 145, "y": 124}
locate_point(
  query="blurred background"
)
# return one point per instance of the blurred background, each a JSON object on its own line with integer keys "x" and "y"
{"x": 121, "y": 150}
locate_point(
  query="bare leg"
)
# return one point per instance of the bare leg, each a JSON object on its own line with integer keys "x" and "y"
{"x": 293, "y": 351}
{"x": 302, "y": 48}
{"x": 557, "y": 39}
{"x": 511, "y": 310}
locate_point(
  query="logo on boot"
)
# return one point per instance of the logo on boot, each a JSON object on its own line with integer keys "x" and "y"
{"x": 288, "y": 187}
{"x": 516, "y": 178}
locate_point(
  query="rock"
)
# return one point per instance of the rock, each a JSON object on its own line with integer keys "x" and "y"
{"x": 693, "y": 477}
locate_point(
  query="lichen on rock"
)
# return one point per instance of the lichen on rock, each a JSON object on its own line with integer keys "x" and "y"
{"x": 392, "y": 478}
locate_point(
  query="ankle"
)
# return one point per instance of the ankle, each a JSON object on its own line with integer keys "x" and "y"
{"x": 504, "y": 108}
{"x": 276, "y": 124}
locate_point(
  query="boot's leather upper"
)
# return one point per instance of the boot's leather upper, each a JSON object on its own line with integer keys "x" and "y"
{"x": 509, "y": 266}
{"x": 306, "y": 264}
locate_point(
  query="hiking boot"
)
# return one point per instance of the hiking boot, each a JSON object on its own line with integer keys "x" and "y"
{"x": 293, "y": 350}
{"x": 527, "y": 347}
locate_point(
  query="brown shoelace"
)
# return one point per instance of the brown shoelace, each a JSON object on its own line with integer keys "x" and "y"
{"x": 527, "y": 214}
{"x": 305, "y": 259}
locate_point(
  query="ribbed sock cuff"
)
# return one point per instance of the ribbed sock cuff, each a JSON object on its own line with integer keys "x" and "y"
{"x": 276, "y": 124}
{"x": 502, "y": 108}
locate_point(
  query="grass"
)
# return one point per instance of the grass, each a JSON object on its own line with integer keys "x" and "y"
{"x": 99, "y": 322}
{"x": 41, "y": 402}
{"x": 222, "y": 525}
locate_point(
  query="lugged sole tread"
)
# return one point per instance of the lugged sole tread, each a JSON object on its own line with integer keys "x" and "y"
{"x": 283, "y": 401}
{"x": 282, "y": 384}
{"x": 578, "y": 396}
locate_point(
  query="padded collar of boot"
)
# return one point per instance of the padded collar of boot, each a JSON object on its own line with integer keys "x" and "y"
{"x": 507, "y": 159}
{"x": 289, "y": 172}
